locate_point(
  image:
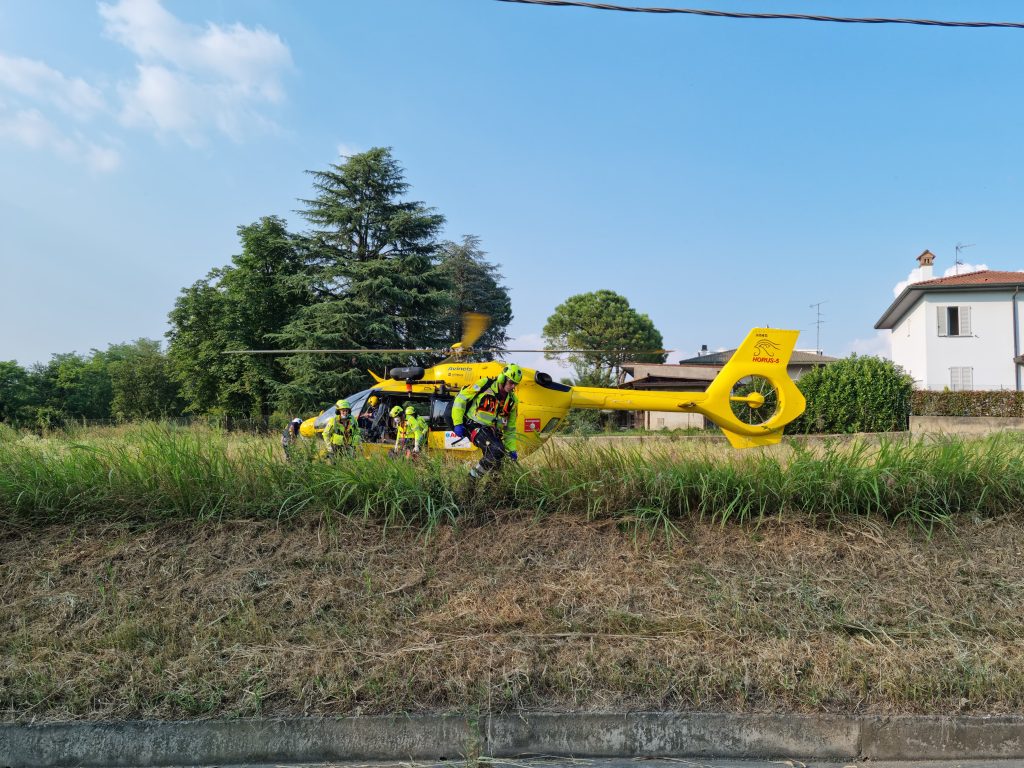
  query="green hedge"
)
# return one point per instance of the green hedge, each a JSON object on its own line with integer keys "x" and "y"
{"x": 856, "y": 394}
{"x": 999, "y": 403}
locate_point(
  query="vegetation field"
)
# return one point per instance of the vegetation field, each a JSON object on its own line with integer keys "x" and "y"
{"x": 160, "y": 573}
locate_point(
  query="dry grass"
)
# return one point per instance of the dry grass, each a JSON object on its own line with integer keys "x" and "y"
{"x": 221, "y": 619}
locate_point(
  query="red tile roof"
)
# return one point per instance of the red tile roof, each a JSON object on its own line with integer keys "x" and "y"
{"x": 975, "y": 278}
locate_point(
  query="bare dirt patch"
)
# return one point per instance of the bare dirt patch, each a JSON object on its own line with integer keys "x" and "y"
{"x": 253, "y": 618}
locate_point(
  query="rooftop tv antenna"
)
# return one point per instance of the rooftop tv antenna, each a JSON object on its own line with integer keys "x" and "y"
{"x": 818, "y": 322}
{"x": 957, "y": 261}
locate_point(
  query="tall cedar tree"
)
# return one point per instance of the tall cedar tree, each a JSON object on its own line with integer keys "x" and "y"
{"x": 602, "y": 320}
{"x": 476, "y": 287}
{"x": 372, "y": 259}
{"x": 239, "y": 307}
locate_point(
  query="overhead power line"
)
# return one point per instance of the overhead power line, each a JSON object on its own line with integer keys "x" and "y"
{"x": 790, "y": 16}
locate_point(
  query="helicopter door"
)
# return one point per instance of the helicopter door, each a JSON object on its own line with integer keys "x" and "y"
{"x": 386, "y": 431}
{"x": 373, "y": 419}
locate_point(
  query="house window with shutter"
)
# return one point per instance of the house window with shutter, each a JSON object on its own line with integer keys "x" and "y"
{"x": 955, "y": 321}
{"x": 961, "y": 378}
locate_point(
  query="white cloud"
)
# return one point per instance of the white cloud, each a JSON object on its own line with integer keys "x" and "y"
{"x": 33, "y": 86}
{"x": 32, "y": 129}
{"x": 879, "y": 345}
{"x": 916, "y": 275}
{"x": 964, "y": 269}
{"x": 164, "y": 100}
{"x": 191, "y": 79}
{"x": 41, "y": 83}
{"x": 103, "y": 159}
{"x": 346, "y": 150}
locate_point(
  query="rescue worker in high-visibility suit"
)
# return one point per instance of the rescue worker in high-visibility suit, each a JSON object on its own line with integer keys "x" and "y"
{"x": 417, "y": 428}
{"x": 342, "y": 432}
{"x": 486, "y": 413}
{"x": 410, "y": 431}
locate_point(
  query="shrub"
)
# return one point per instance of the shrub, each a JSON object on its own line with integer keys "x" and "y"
{"x": 994, "y": 403}
{"x": 857, "y": 394}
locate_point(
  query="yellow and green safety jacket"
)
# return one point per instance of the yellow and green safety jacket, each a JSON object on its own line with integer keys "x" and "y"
{"x": 482, "y": 403}
{"x": 414, "y": 428}
{"x": 341, "y": 431}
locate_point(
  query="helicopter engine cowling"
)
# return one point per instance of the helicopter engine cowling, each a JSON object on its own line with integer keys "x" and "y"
{"x": 413, "y": 373}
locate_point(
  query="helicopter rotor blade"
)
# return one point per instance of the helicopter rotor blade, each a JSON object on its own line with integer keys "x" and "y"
{"x": 330, "y": 351}
{"x": 440, "y": 351}
{"x": 585, "y": 351}
{"x": 473, "y": 326}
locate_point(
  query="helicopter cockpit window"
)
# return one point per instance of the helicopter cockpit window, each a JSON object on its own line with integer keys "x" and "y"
{"x": 357, "y": 400}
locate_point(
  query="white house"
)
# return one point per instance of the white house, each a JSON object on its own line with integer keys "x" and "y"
{"x": 958, "y": 332}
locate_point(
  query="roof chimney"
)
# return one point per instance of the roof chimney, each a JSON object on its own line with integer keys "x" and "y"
{"x": 703, "y": 349}
{"x": 926, "y": 260}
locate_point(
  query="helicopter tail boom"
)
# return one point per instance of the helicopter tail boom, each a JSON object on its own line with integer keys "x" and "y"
{"x": 751, "y": 399}
{"x": 599, "y": 398}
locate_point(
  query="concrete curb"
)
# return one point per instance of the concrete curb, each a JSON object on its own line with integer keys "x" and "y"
{"x": 656, "y": 734}
{"x": 451, "y": 737}
{"x": 942, "y": 737}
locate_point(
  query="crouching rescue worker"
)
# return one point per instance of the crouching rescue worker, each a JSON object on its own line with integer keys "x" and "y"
{"x": 486, "y": 412}
{"x": 342, "y": 433}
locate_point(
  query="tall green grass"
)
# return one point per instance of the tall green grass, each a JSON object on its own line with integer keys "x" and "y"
{"x": 157, "y": 472}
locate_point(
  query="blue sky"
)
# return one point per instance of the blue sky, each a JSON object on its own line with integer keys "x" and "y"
{"x": 720, "y": 174}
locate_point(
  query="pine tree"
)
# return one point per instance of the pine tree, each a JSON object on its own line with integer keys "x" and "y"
{"x": 372, "y": 264}
{"x": 602, "y": 320}
{"x": 475, "y": 287}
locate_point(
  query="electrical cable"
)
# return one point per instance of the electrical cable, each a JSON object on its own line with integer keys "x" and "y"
{"x": 789, "y": 16}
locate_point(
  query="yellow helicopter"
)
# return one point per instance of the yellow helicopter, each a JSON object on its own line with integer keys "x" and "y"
{"x": 750, "y": 400}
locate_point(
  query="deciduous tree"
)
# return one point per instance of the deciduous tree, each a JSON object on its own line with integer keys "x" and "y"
{"x": 17, "y": 396}
{"x": 140, "y": 378}
{"x": 240, "y": 306}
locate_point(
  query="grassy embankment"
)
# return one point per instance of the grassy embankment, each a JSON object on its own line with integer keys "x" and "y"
{"x": 175, "y": 573}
